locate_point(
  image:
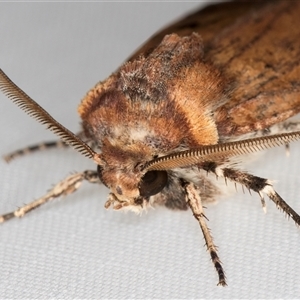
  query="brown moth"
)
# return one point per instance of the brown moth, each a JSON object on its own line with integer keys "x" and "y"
{"x": 218, "y": 84}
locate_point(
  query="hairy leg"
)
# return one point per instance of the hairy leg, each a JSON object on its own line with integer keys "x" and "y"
{"x": 254, "y": 183}
{"x": 194, "y": 201}
{"x": 65, "y": 187}
{"x": 261, "y": 186}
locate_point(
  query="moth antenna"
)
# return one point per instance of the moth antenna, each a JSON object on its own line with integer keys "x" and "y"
{"x": 20, "y": 98}
{"x": 219, "y": 151}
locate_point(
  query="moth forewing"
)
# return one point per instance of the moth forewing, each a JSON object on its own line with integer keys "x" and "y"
{"x": 193, "y": 98}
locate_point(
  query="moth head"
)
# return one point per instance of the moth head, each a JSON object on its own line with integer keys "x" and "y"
{"x": 132, "y": 190}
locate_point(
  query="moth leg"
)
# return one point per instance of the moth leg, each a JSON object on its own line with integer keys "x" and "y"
{"x": 261, "y": 186}
{"x": 65, "y": 187}
{"x": 39, "y": 147}
{"x": 34, "y": 148}
{"x": 194, "y": 202}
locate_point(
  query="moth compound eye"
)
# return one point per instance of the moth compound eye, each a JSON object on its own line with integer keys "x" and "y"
{"x": 153, "y": 182}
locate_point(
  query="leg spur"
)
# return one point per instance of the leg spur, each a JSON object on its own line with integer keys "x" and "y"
{"x": 261, "y": 186}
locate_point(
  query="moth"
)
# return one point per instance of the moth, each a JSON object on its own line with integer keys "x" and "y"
{"x": 217, "y": 85}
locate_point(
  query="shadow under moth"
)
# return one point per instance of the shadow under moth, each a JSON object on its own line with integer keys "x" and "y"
{"x": 219, "y": 84}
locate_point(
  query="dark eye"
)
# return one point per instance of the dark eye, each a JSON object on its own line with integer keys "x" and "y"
{"x": 153, "y": 182}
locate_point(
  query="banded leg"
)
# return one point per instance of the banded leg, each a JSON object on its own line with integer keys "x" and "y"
{"x": 261, "y": 186}
{"x": 40, "y": 147}
{"x": 34, "y": 148}
{"x": 194, "y": 201}
{"x": 65, "y": 187}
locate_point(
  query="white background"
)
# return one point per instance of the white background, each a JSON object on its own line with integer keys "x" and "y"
{"x": 74, "y": 248}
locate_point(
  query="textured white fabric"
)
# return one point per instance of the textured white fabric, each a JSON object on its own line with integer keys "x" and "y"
{"x": 74, "y": 248}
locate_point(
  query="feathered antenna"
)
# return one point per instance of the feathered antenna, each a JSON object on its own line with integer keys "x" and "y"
{"x": 19, "y": 97}
{"x": 219, "y": 151}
